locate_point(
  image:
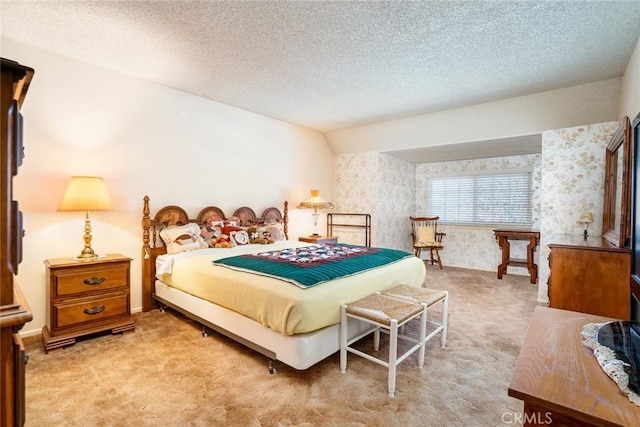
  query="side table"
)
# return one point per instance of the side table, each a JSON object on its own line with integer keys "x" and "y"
{"x": 85, "y": 297}
{"x": 318, "y": 239}
{"x": 503, "y": 236}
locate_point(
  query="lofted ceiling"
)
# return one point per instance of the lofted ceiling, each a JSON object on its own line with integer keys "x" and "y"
{"x": 329, "y": 65}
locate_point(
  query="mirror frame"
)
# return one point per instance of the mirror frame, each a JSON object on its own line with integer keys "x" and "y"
{"x": 620, "y": 145}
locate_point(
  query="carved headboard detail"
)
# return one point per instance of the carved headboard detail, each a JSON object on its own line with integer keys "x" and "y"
{"x": 153, "y": 246}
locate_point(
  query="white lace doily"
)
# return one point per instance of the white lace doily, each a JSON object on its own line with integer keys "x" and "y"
{"x": 607, "y": 360}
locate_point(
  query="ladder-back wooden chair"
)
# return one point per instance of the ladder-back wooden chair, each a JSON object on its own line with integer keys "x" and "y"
{"x": 425, "y": 235}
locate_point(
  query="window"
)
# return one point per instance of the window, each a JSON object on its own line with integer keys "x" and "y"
{"x": 497, "y": 199}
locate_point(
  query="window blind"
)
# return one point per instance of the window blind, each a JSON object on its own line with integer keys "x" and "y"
{"x": 481, "y": 199}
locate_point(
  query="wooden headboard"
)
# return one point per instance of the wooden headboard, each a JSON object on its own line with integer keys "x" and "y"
{"x": 153, "y": 246}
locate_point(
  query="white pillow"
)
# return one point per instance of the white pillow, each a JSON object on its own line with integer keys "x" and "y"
{"x": 183, "y": 238}
{"x": 276, "y": 231}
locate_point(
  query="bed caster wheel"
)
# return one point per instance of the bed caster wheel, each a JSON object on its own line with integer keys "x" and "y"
{"x": 272, "y": 368}
{"x": 161, "y": 309}
{"x": 204, "y": 333}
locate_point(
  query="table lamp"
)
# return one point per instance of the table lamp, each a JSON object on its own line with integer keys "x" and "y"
{"x": 315, "y": 203}
{"x": 86, "y": 194}
{"x": 586, "y": 218}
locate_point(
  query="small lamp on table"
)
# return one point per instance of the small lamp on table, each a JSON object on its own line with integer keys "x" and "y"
{"x": 315, "y": 203}
{"x": 586, "y": 219}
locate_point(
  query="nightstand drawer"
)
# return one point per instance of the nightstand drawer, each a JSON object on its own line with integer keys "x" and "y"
{"x": 88, "y": 280}
{"x": 91, "y": 310}
{"x": 86, "y": 297}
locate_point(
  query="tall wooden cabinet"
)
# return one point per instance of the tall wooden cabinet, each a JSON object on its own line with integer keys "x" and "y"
{"x": 589, "y": 276}
{"x": 14, "y": 311}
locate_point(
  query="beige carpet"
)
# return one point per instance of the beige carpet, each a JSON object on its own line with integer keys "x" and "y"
{"x": 166, "y": 374}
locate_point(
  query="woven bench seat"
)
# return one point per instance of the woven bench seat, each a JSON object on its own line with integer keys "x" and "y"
{"x": 430, "y": 297}
{"x": 381, "y": 309}
{"x": 386, "y": 313}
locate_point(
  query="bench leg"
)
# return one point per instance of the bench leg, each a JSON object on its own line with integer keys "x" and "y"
{"x": 343, "y": 338}
{"x": 393, "y": 356}
{"x": 423, "y": 335}
{"x": 445, "y": 320}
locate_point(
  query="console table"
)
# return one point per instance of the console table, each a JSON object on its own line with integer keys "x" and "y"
{"x": 503, "y": 236}
{"x": 559, "y": 378}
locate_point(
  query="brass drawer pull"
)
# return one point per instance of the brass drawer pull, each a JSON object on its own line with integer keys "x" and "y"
{"x": 94, "y": 310}
{"x": 93, "y": 281}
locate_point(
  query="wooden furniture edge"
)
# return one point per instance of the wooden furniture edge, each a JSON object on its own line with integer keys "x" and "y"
{"x": 541, "y": 317}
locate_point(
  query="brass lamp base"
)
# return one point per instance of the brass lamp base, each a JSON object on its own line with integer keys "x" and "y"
{"x": 87, "y": 253}
{"x": 85, "y": 256}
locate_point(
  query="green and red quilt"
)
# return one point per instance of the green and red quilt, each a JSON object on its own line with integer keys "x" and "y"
{"x": 308, "y": 266}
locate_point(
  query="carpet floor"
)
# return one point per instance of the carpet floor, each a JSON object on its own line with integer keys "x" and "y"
{"x": 166, "y": 374}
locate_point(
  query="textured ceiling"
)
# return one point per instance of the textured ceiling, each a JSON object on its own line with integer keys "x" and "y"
{"x": 332, "y": 65}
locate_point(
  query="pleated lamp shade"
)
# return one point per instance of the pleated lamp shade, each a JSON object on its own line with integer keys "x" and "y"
{"x": 86, "y": 194}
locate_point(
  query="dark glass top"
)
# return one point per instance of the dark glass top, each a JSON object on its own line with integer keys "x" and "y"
{"x": 624, "y": 338}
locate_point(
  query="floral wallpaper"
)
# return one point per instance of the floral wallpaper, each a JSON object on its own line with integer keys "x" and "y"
{"x": 567, "y": 180}
{"x": 474, "y": 246}
{"x": 573, "y": 180}
{"x": 378, "y": 185}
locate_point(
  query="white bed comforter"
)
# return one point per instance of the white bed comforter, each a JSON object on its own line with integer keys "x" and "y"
{"x": 274, "y": 303}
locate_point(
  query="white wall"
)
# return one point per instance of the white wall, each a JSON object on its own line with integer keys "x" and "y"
{"x": 526, "y": 115}
{"x": 145, "y": 139}
{"x": 630, "y": 99}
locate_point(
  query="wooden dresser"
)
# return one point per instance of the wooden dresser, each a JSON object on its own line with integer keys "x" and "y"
{"x": 86, "y": 297}
{"x": 14, "y": 311}
{"x": 559, "y": 379}
{"x": 589, "y": 276}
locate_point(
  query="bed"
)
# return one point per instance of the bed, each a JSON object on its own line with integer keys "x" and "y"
{"x": 284, "y": 322}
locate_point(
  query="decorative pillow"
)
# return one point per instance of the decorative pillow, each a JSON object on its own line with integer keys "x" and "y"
{"x": 182, "y": 238}
{"x": 426, "y": 235}
{"x": 239, "y": 237}
{"x": 233, "y": 221}
{"x": 211, "y": 229}
{"x": 228, "y": 229}
{"x": 275, "y": 230}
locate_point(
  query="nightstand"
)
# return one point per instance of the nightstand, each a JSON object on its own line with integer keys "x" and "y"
{"x": 318, "y": 239}
{"x": 85, "y": 297}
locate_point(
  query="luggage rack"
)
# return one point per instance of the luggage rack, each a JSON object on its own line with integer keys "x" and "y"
{"x": 360, "y": 221}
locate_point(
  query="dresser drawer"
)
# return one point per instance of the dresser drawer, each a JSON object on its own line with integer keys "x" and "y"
{"x": 93, "y": 310}
{"x": 70, "y": 282}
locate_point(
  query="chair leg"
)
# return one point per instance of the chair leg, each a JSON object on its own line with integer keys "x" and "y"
{"x": 437, "y": 257}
